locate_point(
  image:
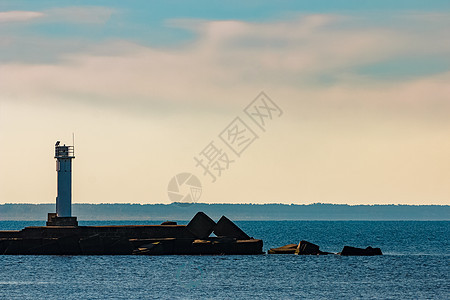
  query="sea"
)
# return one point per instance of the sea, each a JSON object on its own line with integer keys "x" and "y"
{"x": 415, "y": 265}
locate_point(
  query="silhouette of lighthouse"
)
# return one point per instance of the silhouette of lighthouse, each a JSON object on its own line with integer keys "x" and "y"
{"x": 64, "y": 156}
{"x": 63, "y": 216}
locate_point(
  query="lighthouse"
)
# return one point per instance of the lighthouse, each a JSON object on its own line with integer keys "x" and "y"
{"x": 63, "y": 216}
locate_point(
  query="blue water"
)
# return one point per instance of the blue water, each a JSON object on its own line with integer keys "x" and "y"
{"x": 416, "y": 265}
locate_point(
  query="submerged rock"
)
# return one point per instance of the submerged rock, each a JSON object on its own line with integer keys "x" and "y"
{"x": 353, "y": 251}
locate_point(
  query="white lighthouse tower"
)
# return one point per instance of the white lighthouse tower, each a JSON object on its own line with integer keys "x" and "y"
{"x": 63, "y": 217}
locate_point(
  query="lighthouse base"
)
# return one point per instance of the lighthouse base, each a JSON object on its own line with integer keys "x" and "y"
{"x": 54, "y": 220}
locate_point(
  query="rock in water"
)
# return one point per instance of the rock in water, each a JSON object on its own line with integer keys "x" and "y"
{"x": 303, "y": 248}
{"x": 353, "y": 251}
{"x": 287, "y": 249}
{"x": 307, "y": 248}
{"x": 169, "y": 223}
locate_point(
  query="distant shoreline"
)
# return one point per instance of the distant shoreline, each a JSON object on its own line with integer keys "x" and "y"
{"x": 243, "y": 212}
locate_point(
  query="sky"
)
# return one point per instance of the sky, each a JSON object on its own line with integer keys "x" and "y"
{"x": 261, "y": 101}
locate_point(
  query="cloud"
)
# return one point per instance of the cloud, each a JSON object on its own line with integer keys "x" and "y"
{"x": 80, "y": 14}
{"x": 73, "y": 14}
{"x": 317, "y": 54}
{"x": 19, "y": 16}
{"x": 365, "y": 138}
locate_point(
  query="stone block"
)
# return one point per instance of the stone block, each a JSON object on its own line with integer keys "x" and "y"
{"x": 117, "y": 246}
{"x": 48, "y": 246}
{"x": 53, "y": 220}
{"x": 286, "y": 249}
{"x": 251, "y": 246}
{"x": 307, "y": 248}
{"x": 92, "y": 245}
{"x": 201, "y": 226}
{"x": 4, "y": 243}
{"x": 69, "y": 245}
{"x": 225, "y": 227}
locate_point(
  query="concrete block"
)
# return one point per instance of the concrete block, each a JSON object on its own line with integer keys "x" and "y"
{"x": 158, "y": 246}
{"x": 287, "y": 249}
{"x": 225, "y": 227}
{"x": 53, "y": 220}
{"x": 201, "y": 226}
{"x": 183, "y": 246}
{"x": 92, "y": 245}
{"x": 47, "y": 246}
{"x": 251, "y": 246}
{"x": 307, "y": 248}
{"x": 69, "y": 245}
{"x": 117, "y": 246}
{"x": 20, "y": 246}
{"x": 4, "y": 243}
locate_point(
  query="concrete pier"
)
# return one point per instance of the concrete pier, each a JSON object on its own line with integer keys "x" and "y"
{"x": 129, "y": 240}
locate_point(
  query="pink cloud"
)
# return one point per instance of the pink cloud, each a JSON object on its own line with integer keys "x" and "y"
{"x": 232, "y": 55}
{"x": 19, "y": 16}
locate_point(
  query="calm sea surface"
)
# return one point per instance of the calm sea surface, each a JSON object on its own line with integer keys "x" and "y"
{"x": 416, "y": 265}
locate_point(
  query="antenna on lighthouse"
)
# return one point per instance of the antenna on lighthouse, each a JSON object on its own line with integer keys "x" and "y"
{"x": 73, "y": 143}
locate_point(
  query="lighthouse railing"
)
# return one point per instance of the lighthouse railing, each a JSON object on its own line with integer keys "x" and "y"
{"x": 64, "y": 152}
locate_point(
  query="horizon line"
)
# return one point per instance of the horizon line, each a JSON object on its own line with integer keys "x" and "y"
{"x": 222, "y": 203}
